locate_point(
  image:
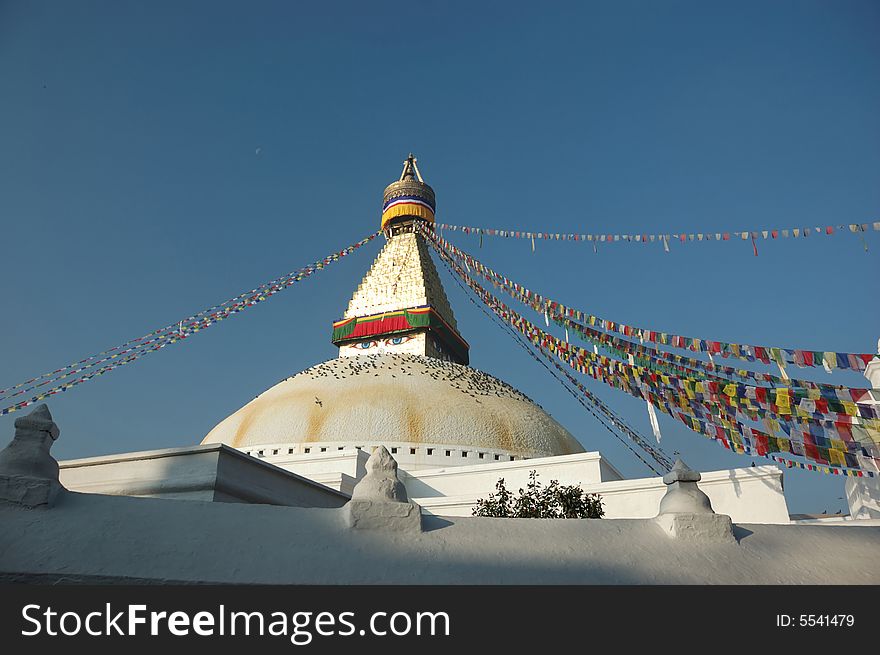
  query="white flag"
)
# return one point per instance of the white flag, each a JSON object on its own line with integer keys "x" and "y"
{"x": 652, "y": 416}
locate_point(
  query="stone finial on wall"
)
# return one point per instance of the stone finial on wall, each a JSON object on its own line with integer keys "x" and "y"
{"x": 381, "y": 481}
{"x": 28, "y": 472}
{"x": 379, "y": 500}
{"x": 686, "y": 512}
{"x": 682, "y": 492}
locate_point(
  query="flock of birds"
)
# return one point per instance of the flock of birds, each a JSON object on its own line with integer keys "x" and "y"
{"x": 465, "y": 379}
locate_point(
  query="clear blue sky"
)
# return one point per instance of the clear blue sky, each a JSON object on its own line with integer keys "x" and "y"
{"x": 132, "y": 191}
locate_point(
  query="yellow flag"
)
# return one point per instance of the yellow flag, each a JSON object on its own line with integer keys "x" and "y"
{"x": 782, "y": 401}
{"x": 850, "y": 408}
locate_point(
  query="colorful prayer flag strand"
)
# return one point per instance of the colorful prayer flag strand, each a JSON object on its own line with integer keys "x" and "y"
{"x": 190, "y": 324}
{"x": 829, "y": 470}
{"x": 158, "y": 339}
{"x": 822, "y": 432}
{"x": 633, "y": 380}
{"x": 739, "y": 439}
{"x": 617, "y": 345}
{"x": 828, "y": 411}
{"x": 669, "y": 237}
{"x": 766, "y": 354}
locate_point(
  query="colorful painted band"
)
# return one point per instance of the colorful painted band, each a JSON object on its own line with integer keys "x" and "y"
{"x": 419, "y": 200}
{"x": 416, "y": 208}
{"x": 404, "y": 320}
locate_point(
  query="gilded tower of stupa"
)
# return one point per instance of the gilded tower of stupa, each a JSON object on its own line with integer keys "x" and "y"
{"x": 400, "y": 305}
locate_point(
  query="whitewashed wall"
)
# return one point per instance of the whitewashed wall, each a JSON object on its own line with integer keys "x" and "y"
{"x": 747, "y": 495}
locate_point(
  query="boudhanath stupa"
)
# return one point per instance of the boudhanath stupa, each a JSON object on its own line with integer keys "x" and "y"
{"x": 402, "y": 380}
{"x": 393, "y": 441}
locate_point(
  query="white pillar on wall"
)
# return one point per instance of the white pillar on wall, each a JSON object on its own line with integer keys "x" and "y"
{"x": 863, "y": 494}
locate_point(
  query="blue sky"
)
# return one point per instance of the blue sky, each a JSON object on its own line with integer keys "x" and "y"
{"x": 157, "y": 158}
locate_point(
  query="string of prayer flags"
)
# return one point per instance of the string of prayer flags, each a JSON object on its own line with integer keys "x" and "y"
{"x": 817, "y": 419}
{"x": 828, "y": 470}
{"x": 620, "y": 346}
{"x": 746, "y": 352}
{"x": 711, "y": 408}
{"x": 134, "y": 349}
{"x": 818, "y": 415}
{"x": 665, "y": 237}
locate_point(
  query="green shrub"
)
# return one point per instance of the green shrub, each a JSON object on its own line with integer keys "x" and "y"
{"x": 554, "y": 501}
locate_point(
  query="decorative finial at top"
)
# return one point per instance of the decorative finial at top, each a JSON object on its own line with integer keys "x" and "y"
{"x": 409, "y": 197}
{"x": 411, "y": 169}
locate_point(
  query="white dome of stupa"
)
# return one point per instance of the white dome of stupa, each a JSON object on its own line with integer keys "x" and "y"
{"x": 403, "y": 401}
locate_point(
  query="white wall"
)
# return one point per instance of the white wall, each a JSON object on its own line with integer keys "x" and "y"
{"x": 410, "y": 456}
{"x": 580, "y": 468}
{"x": 212, "y": 472}
{"x": 747, "y": 495}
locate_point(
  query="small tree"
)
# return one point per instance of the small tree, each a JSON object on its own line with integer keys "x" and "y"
{"x": 554, "y": 501}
